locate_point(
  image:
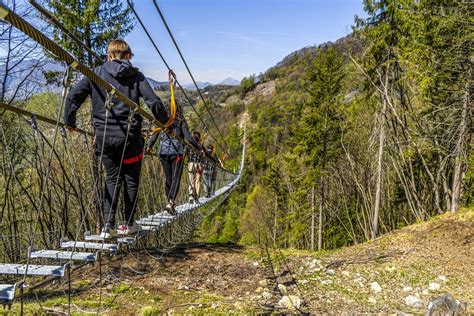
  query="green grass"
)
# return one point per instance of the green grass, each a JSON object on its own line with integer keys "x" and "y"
{"x": 150, "y": 311}
{"x": 122, "y": 288}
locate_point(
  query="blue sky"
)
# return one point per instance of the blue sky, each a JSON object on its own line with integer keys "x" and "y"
{"x": 235, "y": 38}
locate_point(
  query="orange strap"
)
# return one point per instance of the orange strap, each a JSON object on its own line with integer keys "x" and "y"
{"x": 203, "y": 138}
{"x": 171, "y": 76}
{"x": 155, "y": 130}
{"x": 223, "y": 157}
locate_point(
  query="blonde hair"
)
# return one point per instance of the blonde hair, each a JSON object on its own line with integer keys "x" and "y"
{"x": 119, "y": 49}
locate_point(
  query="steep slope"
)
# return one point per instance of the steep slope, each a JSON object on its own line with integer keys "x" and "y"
{"x": 399, "y": 272}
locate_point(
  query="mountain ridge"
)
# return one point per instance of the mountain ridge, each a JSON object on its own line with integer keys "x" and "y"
{"x": 229, "y": 81}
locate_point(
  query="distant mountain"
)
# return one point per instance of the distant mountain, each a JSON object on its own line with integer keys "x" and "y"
{"x": 28, "y": 78}
{"x": 201, "y": 85}
{"x": 229, "y": 82}
{"x": 156, "y": 84}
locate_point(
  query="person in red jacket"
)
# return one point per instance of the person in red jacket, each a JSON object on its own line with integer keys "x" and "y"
{"x": 118, "y": 140}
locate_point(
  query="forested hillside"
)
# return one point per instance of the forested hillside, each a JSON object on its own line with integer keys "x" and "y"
{"x": 353, "y": 139}
{"x": 356, "y": 193}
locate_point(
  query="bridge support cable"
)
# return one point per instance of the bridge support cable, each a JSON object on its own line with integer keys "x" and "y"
{"x": 189, "y": 72}
{"x": 63, "y": 29}
{"x": 169, "y": 68}
{"x": 172, "y": 229}
{"x": 11, "y": 17}
{"x": 64, "y": 186}
{"x": 39, "y": 117}
{"x": 78, "y": 42}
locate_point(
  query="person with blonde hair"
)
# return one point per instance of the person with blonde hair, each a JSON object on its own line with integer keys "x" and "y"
{"x": 118, "y": 140}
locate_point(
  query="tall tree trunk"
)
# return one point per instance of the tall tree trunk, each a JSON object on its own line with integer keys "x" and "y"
{"x": 378, "y": 188}
{"x": 313, "y": 215}
{"x": 275, "y": 222}
{"x": 461, "y": 147}
{"x": 321, "y": 210}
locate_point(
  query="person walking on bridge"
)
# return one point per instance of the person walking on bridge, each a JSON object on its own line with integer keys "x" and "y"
{"x": 195, "y": 171}
{"x": 118, "y": 140}
{"x": 171, "y": 152}
{"x": 210, "y": 171}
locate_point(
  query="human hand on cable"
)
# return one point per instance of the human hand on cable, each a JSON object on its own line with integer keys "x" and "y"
{"x": 170, "y": 130}
{"x": 171, "y": 75}
{"x": 202, "y": 151}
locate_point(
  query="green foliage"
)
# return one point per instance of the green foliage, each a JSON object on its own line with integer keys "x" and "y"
{"x": 247, "y": 83}
{"x": 52, "y": 77}
{"x": 46, "y": 104}
{"x": 406, "y": 65}
{"x": 122, "y": 288}
{"x": 319, "y": 133}
{"x": 150, "y": 311}
{"x": 95, "y": 23}
{"x": 256, "y": 222}
{"x": 223, "y": 225}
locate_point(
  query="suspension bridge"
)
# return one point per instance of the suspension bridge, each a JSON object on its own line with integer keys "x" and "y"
{"x": 52, "y": 183}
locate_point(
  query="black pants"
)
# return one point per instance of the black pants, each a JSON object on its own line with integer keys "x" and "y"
{"x": 120, "y": 171}
{"x": 172, "y": 167}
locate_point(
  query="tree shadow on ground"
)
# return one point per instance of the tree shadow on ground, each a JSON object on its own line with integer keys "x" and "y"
{"x": 186, "y": 251}
{"x": 127, "y": 267}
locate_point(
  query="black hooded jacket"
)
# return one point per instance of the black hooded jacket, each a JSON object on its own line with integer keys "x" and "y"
{"x": 126, "y": 79}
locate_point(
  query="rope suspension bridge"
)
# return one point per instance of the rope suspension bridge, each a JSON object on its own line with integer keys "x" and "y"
{"x": 52, "y": 183}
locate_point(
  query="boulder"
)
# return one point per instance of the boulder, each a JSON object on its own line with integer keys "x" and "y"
{"x": 445, "y": 305}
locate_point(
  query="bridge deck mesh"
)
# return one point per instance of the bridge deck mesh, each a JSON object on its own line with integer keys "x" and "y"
{"x": 64, "y": 255}
{"x": 32, "y": 270}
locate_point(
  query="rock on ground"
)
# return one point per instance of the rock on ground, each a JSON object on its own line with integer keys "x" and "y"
{"x": 445, "y": 305}
{"x": 376, "y": 288}
{"x": 413, "y": 301}
{"x": 290, "y": 302}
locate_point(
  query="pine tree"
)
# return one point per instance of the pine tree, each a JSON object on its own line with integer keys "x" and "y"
{"x": 319, "y": 132}
{"x": 439, "y": 68}
{"x": 94, "y": 22}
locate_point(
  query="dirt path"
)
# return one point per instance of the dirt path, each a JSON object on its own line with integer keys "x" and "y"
{"x": 398, "y": 272}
